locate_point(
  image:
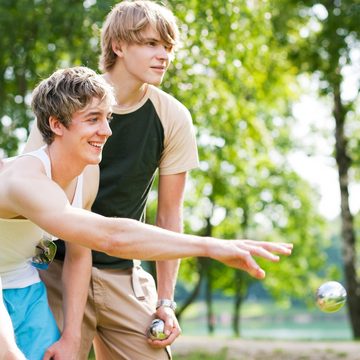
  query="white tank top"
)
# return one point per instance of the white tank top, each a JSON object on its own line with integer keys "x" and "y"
{"x": 19, "y": 238}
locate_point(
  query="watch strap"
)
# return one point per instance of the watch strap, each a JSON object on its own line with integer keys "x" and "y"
{"x": 167, "y": 303}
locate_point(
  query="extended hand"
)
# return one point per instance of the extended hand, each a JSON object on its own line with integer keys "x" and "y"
{"x": 239, "y": 254}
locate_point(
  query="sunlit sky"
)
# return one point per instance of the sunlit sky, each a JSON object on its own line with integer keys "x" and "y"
{"x": 314, "y": 132}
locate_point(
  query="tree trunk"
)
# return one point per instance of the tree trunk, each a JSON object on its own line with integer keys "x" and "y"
{"x": 347, "y": 229}
{"x": 241, "y": 284}
{"x": 238, "y": 299}
{"x": 209, "y": 303}
{"x": 194, "y": 294}
{"x": 203, "y": 265}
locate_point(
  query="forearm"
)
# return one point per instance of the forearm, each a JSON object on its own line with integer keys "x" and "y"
{"x": 75, "y": 279}
{"x": 167, "y": 271}
{"x": 134, "y": 240}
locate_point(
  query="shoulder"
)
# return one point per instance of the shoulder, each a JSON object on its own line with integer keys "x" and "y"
{"x": 167, "y": 103}
{"x": 21, "y": 179}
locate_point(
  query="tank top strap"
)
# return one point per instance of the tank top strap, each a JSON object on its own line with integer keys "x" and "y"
{"x": 43, "y": 157}
{"x": 78, "y": 196}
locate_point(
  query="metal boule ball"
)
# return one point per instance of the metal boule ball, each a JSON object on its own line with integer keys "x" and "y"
{"x": 330, "y": 296}
{"x": 156, "y": 330}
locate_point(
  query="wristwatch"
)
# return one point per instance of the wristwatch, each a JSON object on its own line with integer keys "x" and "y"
{"x": 167, "y": 303}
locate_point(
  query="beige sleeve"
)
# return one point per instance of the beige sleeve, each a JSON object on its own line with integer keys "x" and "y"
{"x": 180, "y": 149}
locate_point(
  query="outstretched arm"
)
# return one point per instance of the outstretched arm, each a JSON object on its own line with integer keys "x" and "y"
{"x": 119, "y": 237}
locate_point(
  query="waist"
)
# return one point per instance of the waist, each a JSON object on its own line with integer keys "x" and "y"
{"x": 19, "y": 277}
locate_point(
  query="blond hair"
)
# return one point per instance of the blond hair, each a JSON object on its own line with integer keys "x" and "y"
{"x": 65, "y": 92}
{"x": 127, "y": 21}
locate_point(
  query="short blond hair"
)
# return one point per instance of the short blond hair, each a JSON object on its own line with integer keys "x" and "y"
{"x": 127, "y": 21}
{"x": 65, "y": 92}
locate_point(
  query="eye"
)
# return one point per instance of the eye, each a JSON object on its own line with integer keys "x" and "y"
{"x": 151, "y": 43}
{"x": 109, "y": 118}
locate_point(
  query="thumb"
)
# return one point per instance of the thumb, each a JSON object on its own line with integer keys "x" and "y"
{"x": 49, "y": 354}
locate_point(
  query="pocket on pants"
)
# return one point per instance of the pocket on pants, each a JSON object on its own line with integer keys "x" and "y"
{"x": 143, "y": 284}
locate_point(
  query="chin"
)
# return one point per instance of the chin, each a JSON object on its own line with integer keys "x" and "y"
{"x": 155, "y": 82}
{"x": 94, "y": 161}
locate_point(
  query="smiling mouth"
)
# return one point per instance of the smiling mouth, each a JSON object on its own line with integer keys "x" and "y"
{"x": 96, "y": 145}
{"x": 162, "y": 68}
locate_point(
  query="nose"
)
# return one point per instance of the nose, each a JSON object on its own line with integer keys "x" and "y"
{"x": 105, "y": 129}
{"x": 163, "y": 53}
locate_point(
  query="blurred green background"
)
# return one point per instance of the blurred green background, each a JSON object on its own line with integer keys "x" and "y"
{"x": 243, "y": 68}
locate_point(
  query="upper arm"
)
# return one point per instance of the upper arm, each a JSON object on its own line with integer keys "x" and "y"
{"x": 35, "y": 140}
{"x": 34, "y": 196}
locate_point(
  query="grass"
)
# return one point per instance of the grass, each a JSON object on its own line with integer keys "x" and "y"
{"x": 263, "y": 320}
{"x": 200, "y": 355}
{"x": 268, "y": 320}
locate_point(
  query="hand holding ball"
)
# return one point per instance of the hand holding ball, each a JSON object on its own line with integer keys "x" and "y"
{"x": 156, "y": 330}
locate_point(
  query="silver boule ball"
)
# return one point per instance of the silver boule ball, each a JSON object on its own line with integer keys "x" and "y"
{"x": 156, "y": 330}
{"x": 330, "y": 297}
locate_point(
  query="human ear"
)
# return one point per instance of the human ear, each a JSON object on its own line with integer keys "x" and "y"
{"x": 56, "y": 126}
{"x": 117, "y": 48}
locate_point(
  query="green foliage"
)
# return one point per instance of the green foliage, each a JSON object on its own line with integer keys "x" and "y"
{"x": 244, "y": 85}
{"x": 233, "y": 72}
{"x": 39, "y": 36}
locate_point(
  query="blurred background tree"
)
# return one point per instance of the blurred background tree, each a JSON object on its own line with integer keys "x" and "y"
{"x": 237, "y": 70}
{"x": 325, "y": 45}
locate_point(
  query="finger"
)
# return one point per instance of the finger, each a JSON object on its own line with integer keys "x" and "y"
{"x": 279, "y": 248}
{"x": 261, "y": 252}
{"x": 163, "y": 343}
{"x": 48, "y": 355}
{"x": 169, "y": 325}
{"x": 252, "y": 267}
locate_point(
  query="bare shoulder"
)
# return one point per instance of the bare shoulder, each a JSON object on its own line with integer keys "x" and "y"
{"x": 18, "y": 174}
{"x": 91, "y": 184}
{"x": 18, "y": 177}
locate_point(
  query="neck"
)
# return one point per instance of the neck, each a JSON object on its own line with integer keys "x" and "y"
{"x": 128, "y": 92}
{"x": 64, "y": 169}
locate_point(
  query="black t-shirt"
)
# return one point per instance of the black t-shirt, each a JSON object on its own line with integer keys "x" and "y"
{"x": 158, "y": 133}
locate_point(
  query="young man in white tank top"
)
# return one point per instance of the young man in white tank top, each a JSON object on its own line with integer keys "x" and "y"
{"x": 72, "y": 108}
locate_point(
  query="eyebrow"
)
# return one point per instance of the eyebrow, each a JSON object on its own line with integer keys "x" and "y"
{"x": 94, "y": 113}
{"x": 152, "y": 39}
{"x": 91, "y": 113}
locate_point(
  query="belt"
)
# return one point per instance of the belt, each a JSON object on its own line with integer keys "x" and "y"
{"x": 136, "y": 285}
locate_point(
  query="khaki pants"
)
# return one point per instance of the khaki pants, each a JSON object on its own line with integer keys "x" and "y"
{"x": 119, "y": 309}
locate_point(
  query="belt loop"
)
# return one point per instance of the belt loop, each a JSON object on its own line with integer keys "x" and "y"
{"x": 138, "y": 291}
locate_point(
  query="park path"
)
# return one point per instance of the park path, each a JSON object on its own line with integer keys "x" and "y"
{"x": 243, "y": 349}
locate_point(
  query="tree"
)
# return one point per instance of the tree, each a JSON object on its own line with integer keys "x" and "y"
{"x": 235, "y": 78}
{"x": 39, "y": 36}
{"x": 322, "y": 45}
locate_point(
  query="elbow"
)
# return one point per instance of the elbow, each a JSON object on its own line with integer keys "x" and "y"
{"x": 107, "y": 245}
{"x": 116, "y": 240}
